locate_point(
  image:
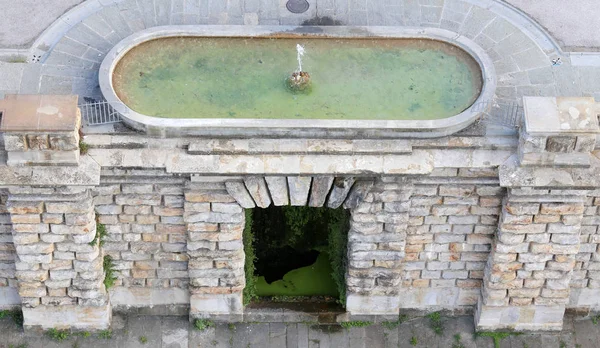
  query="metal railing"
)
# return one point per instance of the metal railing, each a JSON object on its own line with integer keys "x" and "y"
{"x": 506, "y": 114}
{"x": 95, "y": 113}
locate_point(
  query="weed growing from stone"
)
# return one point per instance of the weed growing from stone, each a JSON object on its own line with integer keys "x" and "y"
{"x": 357, "y": 323}
{"x": 596, "y": 319}
{"x": 203, "y": 324}
{"x": 496, "y": 336}
{"x": 105, "y": 334}
{"x": 100, "y": 234}
{"x": 413, "y": 341}
{"x": 390, "y": 325}
{"x": 109, "y": 273}
{"x": 83, "y": 148}
{"x": 435, "y": 323}
{"x": 143, "y": 339}
{"x": 22, "y": 345}
{"x": 562, "y": 344}
{"x": 16, "y": 315}
{"x": 457, "y": 342}
{"x": 231, "y": 327}
{"x": 58, "y": 335}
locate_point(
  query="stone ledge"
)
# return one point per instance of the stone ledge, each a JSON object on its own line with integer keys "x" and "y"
{"x": 87, "y": 173}
{"x": 67, "y": 317}
{"x": 525, "y": 318}
{"x": 121, "y": 297}
{"x": 513, "y": 175}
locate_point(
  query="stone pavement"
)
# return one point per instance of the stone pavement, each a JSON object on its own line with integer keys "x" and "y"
{"x": 24, "y": 20}
{"x": 177, "y": 332}
{"x": 569, "y": 27}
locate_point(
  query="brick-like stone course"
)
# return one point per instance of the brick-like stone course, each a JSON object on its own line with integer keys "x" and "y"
{"x": 57, "y": 265}
{"x": 7, "y": 248}
{"x": 143, "y": 212}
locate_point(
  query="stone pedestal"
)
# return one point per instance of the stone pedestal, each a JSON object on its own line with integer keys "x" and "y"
{"x": 527, "y": 278}
{"x": 41, "y": 129}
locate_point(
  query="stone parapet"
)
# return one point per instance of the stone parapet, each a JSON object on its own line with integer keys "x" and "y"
{"x": 41, "y": 129}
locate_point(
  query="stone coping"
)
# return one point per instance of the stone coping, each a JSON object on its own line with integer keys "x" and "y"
{"x": 317, "y": 128}
{"x": 564, "y": 115}
{"x": 39, "y": 113}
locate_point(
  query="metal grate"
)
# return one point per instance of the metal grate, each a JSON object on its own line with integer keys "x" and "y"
{"x": 98, "y": 113}
{"x": 507, "y": 114}
{"x": 297, "y": 6}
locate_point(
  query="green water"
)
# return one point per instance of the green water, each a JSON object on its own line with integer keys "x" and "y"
{"x": 190, "y": 77}
{"x": 306, "y": 281}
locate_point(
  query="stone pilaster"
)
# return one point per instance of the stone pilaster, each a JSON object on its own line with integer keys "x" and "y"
{"x": 526, "y": 281}
{"x": 376, "y": 243}
{"x": 59, "y": 262}
{"x": 215, "y": 223}
{"x": 527, "y": 278}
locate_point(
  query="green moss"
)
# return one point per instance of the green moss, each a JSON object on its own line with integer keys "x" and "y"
{"x": 105, "y": 334}
{"x": 203, "y": 324}
{"x": 390, "y": 325}
{"x": 16, "y": 315}
{"x": 249, "y": 268}
{"x": 58, "y": 335}
{"x": 413, "y": 341}
{"x": 435, "y": 323}
{"x": 109, "y": 273}
{"x": 356, "y": 323}
{"x": 496, "y": 336}
{"x": 339, "y": 224}
{"x": 83, "y": 148}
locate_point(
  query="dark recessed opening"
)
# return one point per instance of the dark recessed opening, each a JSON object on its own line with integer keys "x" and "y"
{"x": 298, "y": 253}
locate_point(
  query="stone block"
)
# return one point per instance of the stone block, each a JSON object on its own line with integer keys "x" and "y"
{"x": 320, "y": 188}
{"x": 299, "y": 188}
{"x": 68, "y": 316}
{"x": 278, "y": 188}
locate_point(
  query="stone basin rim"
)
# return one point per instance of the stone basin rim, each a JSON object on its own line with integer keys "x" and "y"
{"x": 173, "y": 127}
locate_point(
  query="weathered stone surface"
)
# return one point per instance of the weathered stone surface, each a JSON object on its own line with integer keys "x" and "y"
{"x": 299, "y": 188}
{"x": 358, "y": 193}
{"x": 257, "y": 187}
{"x": 238, "y": 191}
{"x": 339, "y": 191}
{"x": 278, "y": 187}
{"x": 321, "y": 185}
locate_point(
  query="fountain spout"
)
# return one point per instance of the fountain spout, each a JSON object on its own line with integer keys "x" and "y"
{"x": 300, "y": 80}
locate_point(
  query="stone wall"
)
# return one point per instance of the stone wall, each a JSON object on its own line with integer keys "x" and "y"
{"x": 453, "y": 216}
{"x": 487, "y": 219}
{"x": 142, "y": 212}
{"x": 8, "y": 280}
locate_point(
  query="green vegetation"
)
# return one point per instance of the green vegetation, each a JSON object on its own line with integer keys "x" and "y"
{"x": 100, "y": 234}
{"x": 435, "y": 322}
{"x": 596, "y": 319}
{"x": 390, "y": 325}
{"x": 143, "y": 339}
{"x": 58, "y": 335}
{"x": 16, "y": 315}
{"x": 357, "y": 323}
{"x": 203, "y": 324}
{"x": 314, "y": 243}
{"x": 496, "y": 336}
{"x": 249, "y": 268}
{"x": 413, "y": 341}
{"x": 562, "y": 344}
{"x": 22, "y": 345}
{"x": 109, "y": 273}
{"x": 105, "y": 334}
{"x": 457, "y": 342}
{"x": 83, "y": 148}
{"x": 84, "y": 334}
